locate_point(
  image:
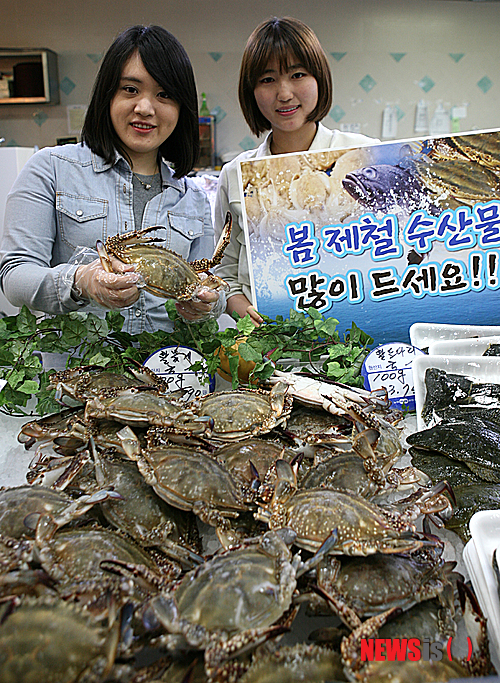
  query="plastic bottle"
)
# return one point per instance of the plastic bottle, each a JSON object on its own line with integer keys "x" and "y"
{"x": 204, "y": 110}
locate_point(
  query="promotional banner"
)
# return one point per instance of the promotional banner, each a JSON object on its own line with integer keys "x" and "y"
{"x": 384, "y": 235}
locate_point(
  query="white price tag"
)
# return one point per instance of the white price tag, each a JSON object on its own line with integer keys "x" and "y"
{"x": 172, "y": 364}
{"x": 390, "y": 367}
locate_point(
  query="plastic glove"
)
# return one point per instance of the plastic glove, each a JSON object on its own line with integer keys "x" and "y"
{"x": 200, "y": 309}
{"x": 111, "y": 290}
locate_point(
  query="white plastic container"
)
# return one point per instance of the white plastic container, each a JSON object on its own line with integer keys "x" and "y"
{"x": 422, "y": 335}
{"x": 462, "y": 347}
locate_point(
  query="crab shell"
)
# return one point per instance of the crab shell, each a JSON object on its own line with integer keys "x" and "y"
{"x": 139, "y": 407}
{"x": 187, "y": 478}
{"x": 462, "y": 169}
{"x": 363, "y": 528}
{"x": 239, "y": 456}
{"x": 479, "y": 148}
{"x": 249, "y": 587}
{"x": 17, "y": 502}
{"x": 245, "y": 412}
{"x": 300, "y": 662}
{"x": 141, "y": 513}
{"x": 166, "y": 274}
{"x": 73, "y": 558}
{"x": 52, "y": 640}
{"x": 422, "y": 670}
{"x": 373, "y": 584}
{"x": 49, "y": 427}
{"x": 460, "y": 179}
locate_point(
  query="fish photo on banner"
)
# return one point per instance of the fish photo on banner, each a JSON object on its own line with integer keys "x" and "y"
{"x": 403, "y": 231}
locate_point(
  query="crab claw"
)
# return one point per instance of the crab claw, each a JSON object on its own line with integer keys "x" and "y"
{"x": 104, "y": 257}
{"x": 329, "y": 543}
{"x": 479, "y": 662}
{"x": 256, "y": 482}
{"x": 440, "y": 487}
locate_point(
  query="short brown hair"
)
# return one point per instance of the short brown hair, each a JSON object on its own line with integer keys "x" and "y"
{"x": 281, "y": 38}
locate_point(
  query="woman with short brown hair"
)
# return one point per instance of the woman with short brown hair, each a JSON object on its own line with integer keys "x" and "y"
{"x": 286, "y": 88}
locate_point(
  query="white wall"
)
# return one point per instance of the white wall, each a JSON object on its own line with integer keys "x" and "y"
{"x": 431, "y": 34}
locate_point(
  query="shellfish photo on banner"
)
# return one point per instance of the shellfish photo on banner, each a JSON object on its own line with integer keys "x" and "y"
{"x": 384, "y": 235}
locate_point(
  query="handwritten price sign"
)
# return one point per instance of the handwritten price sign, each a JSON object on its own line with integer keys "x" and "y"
{"x": 390, "y": 366}
{"x": 173, "y": 364}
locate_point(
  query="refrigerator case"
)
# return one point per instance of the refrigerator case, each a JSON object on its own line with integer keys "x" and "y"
{"x": 12, "y": 159}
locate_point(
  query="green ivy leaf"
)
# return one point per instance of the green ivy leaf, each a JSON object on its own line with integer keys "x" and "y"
{"x": 15, "y": 377}
{"x": 338, "y": 351}
{"x": 335, "y": 370}
{"x": 233, "y": 368}
{"x": 74, "y": 330}
{"x": 115, "y": 320}
{"x": 6, "y": 356}
{"x": 327, "y": 327}
{"x": 245, "y": 325}
{"x": 5, "y": 332}
{"x": 250, "y": 353}
{"x": 312, "y": 313}
{"x": 28, "y": 387}
{"x": 99, "y": 359}
{"x": 47, "y": 404}
{"x": 26, "y": 321}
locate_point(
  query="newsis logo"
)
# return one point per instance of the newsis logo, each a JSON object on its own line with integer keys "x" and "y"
{"x": 402, "y": 649}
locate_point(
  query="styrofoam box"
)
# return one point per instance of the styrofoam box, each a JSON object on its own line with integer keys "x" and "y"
{"x": 462, "y": 347}
{"x": 483, "y": 369}
{"x": 423, "y": 334}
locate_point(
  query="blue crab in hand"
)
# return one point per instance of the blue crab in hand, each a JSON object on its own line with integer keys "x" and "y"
{"x": 165, "y": 273}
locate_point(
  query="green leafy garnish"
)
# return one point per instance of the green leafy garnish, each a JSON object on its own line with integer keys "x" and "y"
{"x": 310, "y": 339}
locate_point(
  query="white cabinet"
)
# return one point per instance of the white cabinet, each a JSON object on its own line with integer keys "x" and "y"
{"x": 12, "y": 159}
{"x": 28, "y": 76}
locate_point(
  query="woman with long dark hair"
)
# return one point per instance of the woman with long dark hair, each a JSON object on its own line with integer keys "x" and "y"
{"x": 139, "y": 141}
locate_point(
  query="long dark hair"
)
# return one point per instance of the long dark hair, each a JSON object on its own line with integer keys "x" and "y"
{"x": 167, "y": 62}
{"x": 283, "y": 38}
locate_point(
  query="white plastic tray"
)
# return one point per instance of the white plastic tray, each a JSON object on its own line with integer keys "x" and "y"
{"x": 485, "y": 531}
{"x": 481, "y": 368}
{"x": 473, "y": 565}
{"x": 462, "y": 347}
{"x": 422, "y": 335}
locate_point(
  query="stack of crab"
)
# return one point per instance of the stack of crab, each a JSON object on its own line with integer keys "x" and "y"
{"x": 104, "y": 554}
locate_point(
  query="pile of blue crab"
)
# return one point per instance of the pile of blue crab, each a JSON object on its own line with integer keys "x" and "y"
{"x": 164, "y": 540}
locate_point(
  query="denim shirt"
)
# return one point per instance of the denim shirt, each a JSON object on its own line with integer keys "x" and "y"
{"x": 66, "y": 198}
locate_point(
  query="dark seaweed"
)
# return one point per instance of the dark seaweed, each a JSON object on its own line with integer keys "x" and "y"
{"x": 446, "y": 389}
{"x": 492, "y": 350}
{"x": 438, "y": 467}
{"x": 474, "y": 441}
{"x": 472, "y": 498}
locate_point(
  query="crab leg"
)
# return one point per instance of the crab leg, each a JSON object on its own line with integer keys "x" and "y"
{"x": 312, "y": 391}
{"x": 349, "y": 646}
{"x": 203, "y": 265}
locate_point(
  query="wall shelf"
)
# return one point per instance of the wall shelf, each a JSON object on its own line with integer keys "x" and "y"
{"x": 28, "y": 76}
